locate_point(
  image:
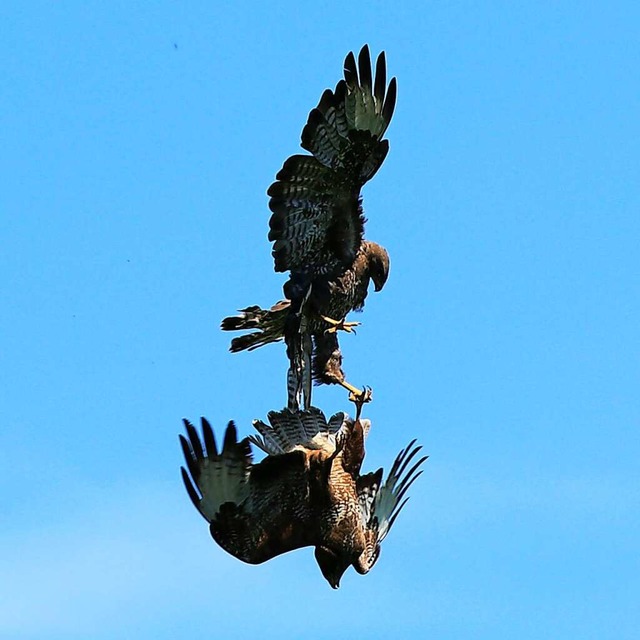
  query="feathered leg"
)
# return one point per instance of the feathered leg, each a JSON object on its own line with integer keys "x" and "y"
{"x": 295, "y": 373}
{"x": 306, "y": 376}
{"x": 299, "y": 352}
{"x": 327, "y": 366}
{"x": 293, "y": 397}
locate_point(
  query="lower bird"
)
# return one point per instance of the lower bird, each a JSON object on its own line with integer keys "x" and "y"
{"x": 308, "y": 491}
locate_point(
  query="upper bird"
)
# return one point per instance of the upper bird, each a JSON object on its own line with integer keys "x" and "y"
{"x": 317, "y": 230}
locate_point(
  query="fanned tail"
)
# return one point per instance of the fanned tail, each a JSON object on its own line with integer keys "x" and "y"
{"x": 289, "y": 429}
{"x": 269, "y": 325}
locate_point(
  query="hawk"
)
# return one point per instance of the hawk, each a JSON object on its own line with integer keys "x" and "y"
{"x": 308, "y": 491}
{"x": 317, "y": 230}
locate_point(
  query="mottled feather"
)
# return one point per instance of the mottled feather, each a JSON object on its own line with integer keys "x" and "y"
{"x": 307, "y": 492}
{"x": 317, "y": 227}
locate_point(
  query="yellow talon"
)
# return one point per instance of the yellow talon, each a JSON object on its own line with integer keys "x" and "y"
{"x": 340, "y": 325}
{"x": 359, "y": 398}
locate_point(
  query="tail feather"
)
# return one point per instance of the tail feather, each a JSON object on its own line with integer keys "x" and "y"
{"x": 289, "y": 429}
{"x": 268, "y": 322}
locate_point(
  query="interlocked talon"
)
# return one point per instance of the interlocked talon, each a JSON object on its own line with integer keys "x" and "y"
{"x": 358, "y": 396}
{"x": 359, "y": 400}
{"x": 340, "y": 325}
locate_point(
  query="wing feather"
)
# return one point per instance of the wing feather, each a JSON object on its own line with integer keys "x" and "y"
{"x": 191, "y": 490}
{"x": 387, "y": 501}
{"x": 215, "y": 478}
{"x": 381, "y": 505}
{"x": 317, "y": 225}
{"x": 390, "y": 101}
{"x": 255, "y": 512}
{"x": 364, "y": 65}
{"x": 381, "y": 79}
{"x": 275, "y": 517}
{"x": 350, "y": 69}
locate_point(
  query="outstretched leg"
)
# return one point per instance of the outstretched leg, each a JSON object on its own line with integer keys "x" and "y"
{"x": 327, "y": 366}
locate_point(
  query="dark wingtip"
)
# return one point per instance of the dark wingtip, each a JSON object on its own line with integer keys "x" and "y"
{"x": 313, "y": 122}
{"x": 209, "y": 438}
{"x": 350, "y": 70}
{"x": 390, "y": 101}
{"x": 193, "y": 494}
{"x": 186, "y": 448}
{"x": 364, "y": 66}
{"x": 327, "y": 100}
{"x": 194, "y": 440}
{"x": 188, "y": 485}
{"x": 190, "y": 458}
{"x": 380, "y": 84}
{"x": 230, "y": 436}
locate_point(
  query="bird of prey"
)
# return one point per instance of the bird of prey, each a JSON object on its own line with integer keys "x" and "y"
{"x": 317, "y": 230}
{"x": 308, "y": 491}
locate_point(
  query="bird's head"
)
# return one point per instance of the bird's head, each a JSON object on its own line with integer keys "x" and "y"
{"x": 378, "y": 265}
{"x": 332, "y": 565}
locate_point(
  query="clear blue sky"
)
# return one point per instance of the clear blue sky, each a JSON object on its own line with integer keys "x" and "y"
{"x": 138, "y": 140}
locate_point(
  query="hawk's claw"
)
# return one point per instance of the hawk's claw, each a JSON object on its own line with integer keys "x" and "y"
{"x": 340, "y": 325}
{"x": 361, "y": 398}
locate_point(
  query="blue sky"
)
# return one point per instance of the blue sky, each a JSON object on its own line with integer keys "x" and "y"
{"x": 137, "y": 145}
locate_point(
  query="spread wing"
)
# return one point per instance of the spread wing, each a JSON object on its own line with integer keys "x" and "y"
{"x": 255, "y": 512}
{"x": 381, "y": 505}
{"x": 317, "y": 224}
{"x": 215, "y": 478}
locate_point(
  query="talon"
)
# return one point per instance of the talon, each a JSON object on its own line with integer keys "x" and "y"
{"x": 360, "y": 398}
{"x": 339, "y": 325}
{"x": 357, "y": 396}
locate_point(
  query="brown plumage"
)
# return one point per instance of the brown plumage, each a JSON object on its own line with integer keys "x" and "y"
{"x": 317, "y": 229}
{"x": 308, "y": 491}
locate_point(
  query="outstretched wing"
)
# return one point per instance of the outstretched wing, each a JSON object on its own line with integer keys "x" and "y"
{"x": 381, "y": 505}
{"x": 255, "y": 512}
{"x": 215, "y": 478}
{"x": 317, "y": 223}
